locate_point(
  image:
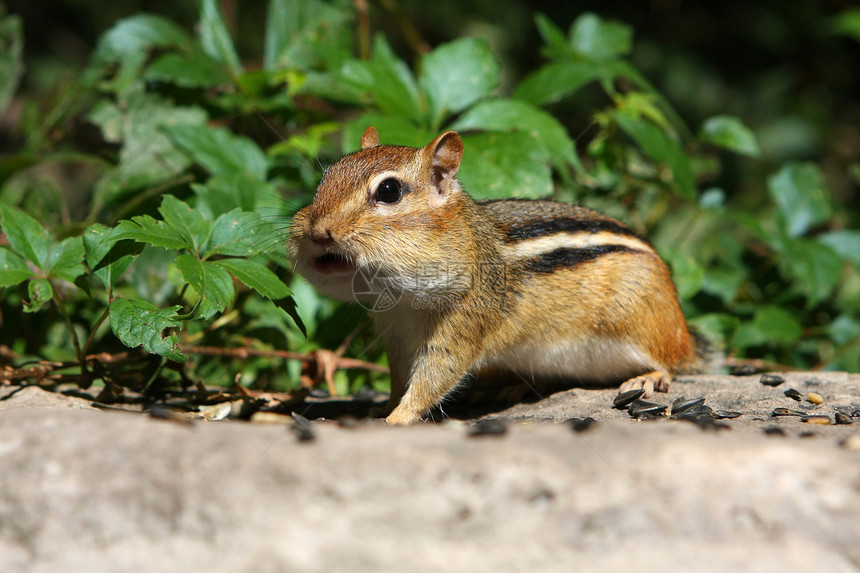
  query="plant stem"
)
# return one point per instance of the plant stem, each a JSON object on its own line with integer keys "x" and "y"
{"x": 96, "y": 326}
{"x": 82, "y": 360}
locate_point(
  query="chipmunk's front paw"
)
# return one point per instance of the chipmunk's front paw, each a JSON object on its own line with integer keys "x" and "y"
{"x": 657, "y": 381}
{"x": 402, "y": 417}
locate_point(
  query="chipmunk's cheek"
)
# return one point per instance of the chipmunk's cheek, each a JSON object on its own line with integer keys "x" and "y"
{"x": 330, "y": 263}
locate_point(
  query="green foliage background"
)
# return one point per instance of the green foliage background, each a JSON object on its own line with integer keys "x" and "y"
{"x": 149, "y": 162}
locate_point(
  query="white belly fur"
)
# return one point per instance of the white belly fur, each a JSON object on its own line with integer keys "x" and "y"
{"x": 591, "y": 360}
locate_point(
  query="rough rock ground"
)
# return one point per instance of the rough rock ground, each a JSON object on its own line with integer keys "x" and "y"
{"x": 83, "y": 489}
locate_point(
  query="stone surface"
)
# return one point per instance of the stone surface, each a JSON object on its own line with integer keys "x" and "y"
{"x": 102, "y": 491}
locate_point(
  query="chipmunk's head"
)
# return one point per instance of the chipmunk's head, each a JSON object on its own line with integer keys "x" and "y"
{"x": 388, "y": 212}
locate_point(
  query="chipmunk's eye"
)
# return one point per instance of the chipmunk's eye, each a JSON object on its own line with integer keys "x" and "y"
{"x": 389, "y": 191}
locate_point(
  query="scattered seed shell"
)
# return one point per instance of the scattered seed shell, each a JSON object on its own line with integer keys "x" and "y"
{"x": 855, "y": 414}
{"x": 581, "y": 424}
{"x": 843, "y": 418}
{"x": 815, "y": 398}
{"x": 489, "y": 427}
{"x": 640, "y": 407}
{"x": 793, "y": 394}
{"x": 817, "y": 419}
{"x": 682, "y": 405}
{"x": 771, "y": 379}
{"x": 786, "y": 412}
{"x": 774, "y": 431}
{"x": 719, "y": 414}
{"x": 624, "y": 399}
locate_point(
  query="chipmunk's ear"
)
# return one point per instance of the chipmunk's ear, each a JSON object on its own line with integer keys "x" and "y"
{"x": 446, "y": 151}
{"x": 370, "y": 138}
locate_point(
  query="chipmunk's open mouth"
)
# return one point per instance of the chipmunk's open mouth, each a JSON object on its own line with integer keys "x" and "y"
{"x": 332, "y": 263}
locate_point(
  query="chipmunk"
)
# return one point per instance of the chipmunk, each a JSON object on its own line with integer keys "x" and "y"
{"x": 535, "y": 288}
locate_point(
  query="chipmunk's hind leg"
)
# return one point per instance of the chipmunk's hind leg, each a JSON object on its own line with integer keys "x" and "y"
{"x": 656, "y": 381}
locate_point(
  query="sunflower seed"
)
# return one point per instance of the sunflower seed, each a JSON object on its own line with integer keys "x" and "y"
{"x": 786, "y": 412}
{"x": 489, "y": 427}
{"x": 640, "y": 407}
{"x": 624, "y": 399}
{"x": 771, "y": 379}
{"x": 719, "y": 414}
{"x": 793, "y": 394}
{"x": 843, "y": 418}
{"x": 581, "y": 424}
{"x": 681, "y": 405}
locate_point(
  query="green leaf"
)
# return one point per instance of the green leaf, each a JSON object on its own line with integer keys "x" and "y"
{"x": 13, "y": 269}
{"x": 195, "y": 70}
{"x": 503, "y": 115}
{"x": 660, "y": 147}
{"x": 139, "y": 323}
{"x": 392, "y": 130}
{"x": 257, "y": 277}
{"x": 812, "y": 266}
{"x": 145, "y": 229}
{"x": 801, "y": 197}
{"x": 387, "y": 79}
{"x": 771, "y": 325}
{"x": 237, "y": 234}
{"x": 219, "y": 150}
{"x": 557, "y": 80}
{"x": 846, "y": 23}
{"x": 553, "y": 38}
{"x": 212, "y": 284}
{"x": 11, "y": 64}
{"x": 503, "y": 165}
{"x": 302, "y": 35}
{"x": 128, "y": 44}
{"x": 26, "y": 236}
{"x": 223, "y": 193}
{"x": 288, "y": 305}
{"x": 108, "y": 259}
{"x": 845, "y": 243}
{"x": 40, "y": 292}
{"x": 598, "y": 39}
{"x": 687, "y": 273}
{"x": 148, "y": 156}
{"x": 215, "y": 38}
{"x": 456, "y": 75}
{"x": 730, "y": 133}
{"x": 191, "y": 225}
{"x": 66, "y": 258}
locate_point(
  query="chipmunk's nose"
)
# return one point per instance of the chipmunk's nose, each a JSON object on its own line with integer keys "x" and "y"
{"x": 320, "y": 233}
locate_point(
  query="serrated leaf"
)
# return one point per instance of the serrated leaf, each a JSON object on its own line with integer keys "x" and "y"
{"x": 236, "y": 234}
{"x": 504, "y": 114}
{"x": 812, "y": 266}
{"x": 599, "y": 39}
{"x": 40, "y": 292}
{"x": 213, "y": 285}
{"x": 289, "y": 307}
{"x": 655, "y": 142}
{"x": 11, "y": 64}
{"x": 730, "y": 133}
{"x": 139, "y": 323}
{"x": 387, "y": 79}
{"x": 108, "y": 259}
{"x": 503, "y": 165}
{"x": 218, "y": 150}
{"x": 257, "y": 277}
{"x": 215, "y": 38}
{"x": 845, "y": 243}
{"x": 66, "y": 259}
{"x": 191, "y": 225}
{"x": 557, "y": 80}
{"x": 145, "y": 229}
{"x": 13, "y": 269}
{"x": 456, "y": 75}
{"x": 801, "y": 197}
{"x": 26, "y": 236}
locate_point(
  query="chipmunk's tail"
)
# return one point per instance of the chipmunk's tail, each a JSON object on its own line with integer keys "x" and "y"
{"x": 706, "y": 358}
